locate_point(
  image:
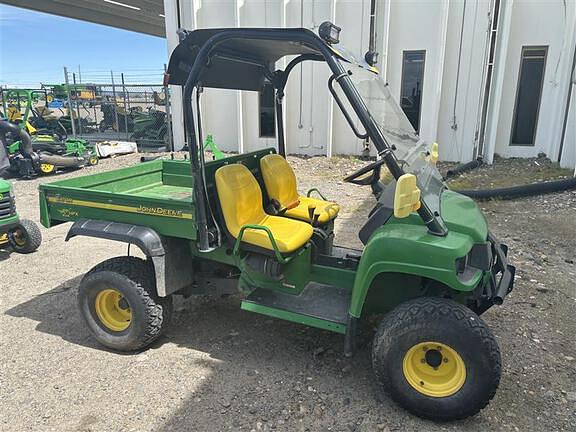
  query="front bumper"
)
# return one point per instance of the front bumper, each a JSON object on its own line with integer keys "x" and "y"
{"x": 8, "y": 224}
{"x": 502, "y": 274}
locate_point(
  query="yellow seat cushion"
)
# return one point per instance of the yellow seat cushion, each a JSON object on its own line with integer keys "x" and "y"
{"x": 326, "y": 209}
{"x": 241, "y": 202}
{"x": 280, "y": 182}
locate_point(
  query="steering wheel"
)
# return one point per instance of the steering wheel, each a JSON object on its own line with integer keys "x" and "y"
{"x": 374, "y": 167}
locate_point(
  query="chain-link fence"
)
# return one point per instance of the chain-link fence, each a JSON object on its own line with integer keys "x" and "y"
{"x": 137, "y": 113}
{"x": 119, "y": 111}
{"x": 111, "y": 110}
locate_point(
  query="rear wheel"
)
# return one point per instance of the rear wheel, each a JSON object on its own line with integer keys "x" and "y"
{"x": 437, "y": 359}
{"x": 118, "y": 301}
{"x": 26, "y": 237}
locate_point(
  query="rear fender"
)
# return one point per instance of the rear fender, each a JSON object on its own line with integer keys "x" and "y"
{"x": 170, "y": 256}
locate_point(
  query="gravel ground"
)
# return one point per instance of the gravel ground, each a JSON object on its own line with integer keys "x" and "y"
{"x": 220, "y": 368}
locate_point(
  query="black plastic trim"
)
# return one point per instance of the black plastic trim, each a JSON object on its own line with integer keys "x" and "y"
{"x": 148, "y": 240}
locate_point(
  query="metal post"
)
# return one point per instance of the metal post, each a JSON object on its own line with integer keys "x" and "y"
{"x": 127, "y": 93}
{"x": 95, "y": 115}
{"x": 77, "y": 106}
{"x": 69, "y": 102}
{"x": 115, "y": 106}
{"x": 125, "y": 106}
{"x": 168, "y": 116}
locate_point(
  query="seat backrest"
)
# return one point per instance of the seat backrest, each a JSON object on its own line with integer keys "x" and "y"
{"x": 240, "y": 197}
{"x": 279, "y": 179}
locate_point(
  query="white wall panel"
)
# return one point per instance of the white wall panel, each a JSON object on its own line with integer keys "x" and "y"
{"x": 220, "y": 108}
{"x": 462, "y": 79}
{"x": 314, "y": 124}
{"x": 528, "y": 27}
{"x": 418, "y": 25}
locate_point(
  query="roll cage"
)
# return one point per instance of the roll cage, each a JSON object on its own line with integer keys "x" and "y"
{"x": 244, "y": 59}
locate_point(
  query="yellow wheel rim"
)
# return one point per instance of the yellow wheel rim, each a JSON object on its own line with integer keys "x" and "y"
{"x": 19, "y": 237}
{"x": 46, "y": 168}
{"x": 113, "y": 310}
{"x": 434, "y": 369}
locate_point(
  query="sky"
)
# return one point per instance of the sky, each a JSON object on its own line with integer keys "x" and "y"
{"x": 34, "y": 48}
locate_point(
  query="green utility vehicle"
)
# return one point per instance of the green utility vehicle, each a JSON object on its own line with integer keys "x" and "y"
{"x": 429, "y": 264}
{"x": 23, "y": 235}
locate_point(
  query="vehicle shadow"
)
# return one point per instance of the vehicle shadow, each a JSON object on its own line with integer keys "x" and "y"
{"x": 57, "y": 314}
{"x": 251, "y": 368}
{"x": 4, "y": 253}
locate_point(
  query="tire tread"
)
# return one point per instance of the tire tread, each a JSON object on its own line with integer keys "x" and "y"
{"x": 140, "y": 273}
{"x": 424, "y": 309}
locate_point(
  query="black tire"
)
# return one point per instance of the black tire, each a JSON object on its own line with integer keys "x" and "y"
{"x": 453, "y": 326}
{"x": 26, "y": 237}
{"x": 134, "y": 279}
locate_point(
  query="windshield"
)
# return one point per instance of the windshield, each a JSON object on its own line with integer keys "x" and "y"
{"x": 409, "y": 148}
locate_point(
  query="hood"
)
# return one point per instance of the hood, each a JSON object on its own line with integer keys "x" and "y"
{"x": 460, "y": 213}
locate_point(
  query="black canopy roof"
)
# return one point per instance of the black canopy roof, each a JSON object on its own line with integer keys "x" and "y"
{"x": 241, "y": 62}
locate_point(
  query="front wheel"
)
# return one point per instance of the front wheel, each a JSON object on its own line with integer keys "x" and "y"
{"x": 437, "y": 359}
{"x": 118, "y": 301}
{"x": 26, "y": 237}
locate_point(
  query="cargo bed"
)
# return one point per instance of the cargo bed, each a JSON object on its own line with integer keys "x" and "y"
{"x": 156, "y": 194}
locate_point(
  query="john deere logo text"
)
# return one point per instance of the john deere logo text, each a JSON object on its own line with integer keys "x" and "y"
{"x": 159, "y": 211}
{"x": 68, "y": 212}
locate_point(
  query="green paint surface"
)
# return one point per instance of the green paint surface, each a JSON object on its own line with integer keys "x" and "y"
{"x": 404, "y": 246}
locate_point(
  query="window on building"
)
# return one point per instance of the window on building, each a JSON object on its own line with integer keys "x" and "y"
{"x": 411, "y": 87}
{"x": 266, "y": 112}
{"x": 528, "y": 95}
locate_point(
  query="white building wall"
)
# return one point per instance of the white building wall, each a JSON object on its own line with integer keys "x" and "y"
{"x": 419, "y": 25}
{"x": 568, "y": 159}
{"x": 353, "y": 17}
{"x": 314, "y": 124}
{"x": 307, "y": 103}
{"x": 534, "y": 23}
{"x": 220, "y": 108}
{"x": 253, "y": 13}
{"x": 462, "y": 89}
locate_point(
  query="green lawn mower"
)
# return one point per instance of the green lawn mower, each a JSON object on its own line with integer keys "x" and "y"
{"x": 22, "y": 235}
{"x": 43, "y": 154}
{"x": 150, "y": 128}
{"x": 37, "y": 119}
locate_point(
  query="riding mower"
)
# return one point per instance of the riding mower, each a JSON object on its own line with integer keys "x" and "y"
{"x": 116, "y": 117}
{"x": 150, "y": 129}
{"x": 428, "y": 268}
{"x": 36, "y": 119}
{"x": 43, "y": 155}
{"x": 22, "y": 235}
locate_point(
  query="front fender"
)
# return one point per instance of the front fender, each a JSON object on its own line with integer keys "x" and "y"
{"x": 409, "y": 249}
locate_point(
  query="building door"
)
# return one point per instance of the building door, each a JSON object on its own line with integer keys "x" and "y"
{"x": 412, "y": 84}
{"x": 528, "y": 95}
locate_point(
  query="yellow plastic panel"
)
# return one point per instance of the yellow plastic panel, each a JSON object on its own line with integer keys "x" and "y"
{"x": 407, "y": 196}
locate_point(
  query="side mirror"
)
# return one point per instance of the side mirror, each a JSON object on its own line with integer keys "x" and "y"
{"x": 406, "y": 196}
